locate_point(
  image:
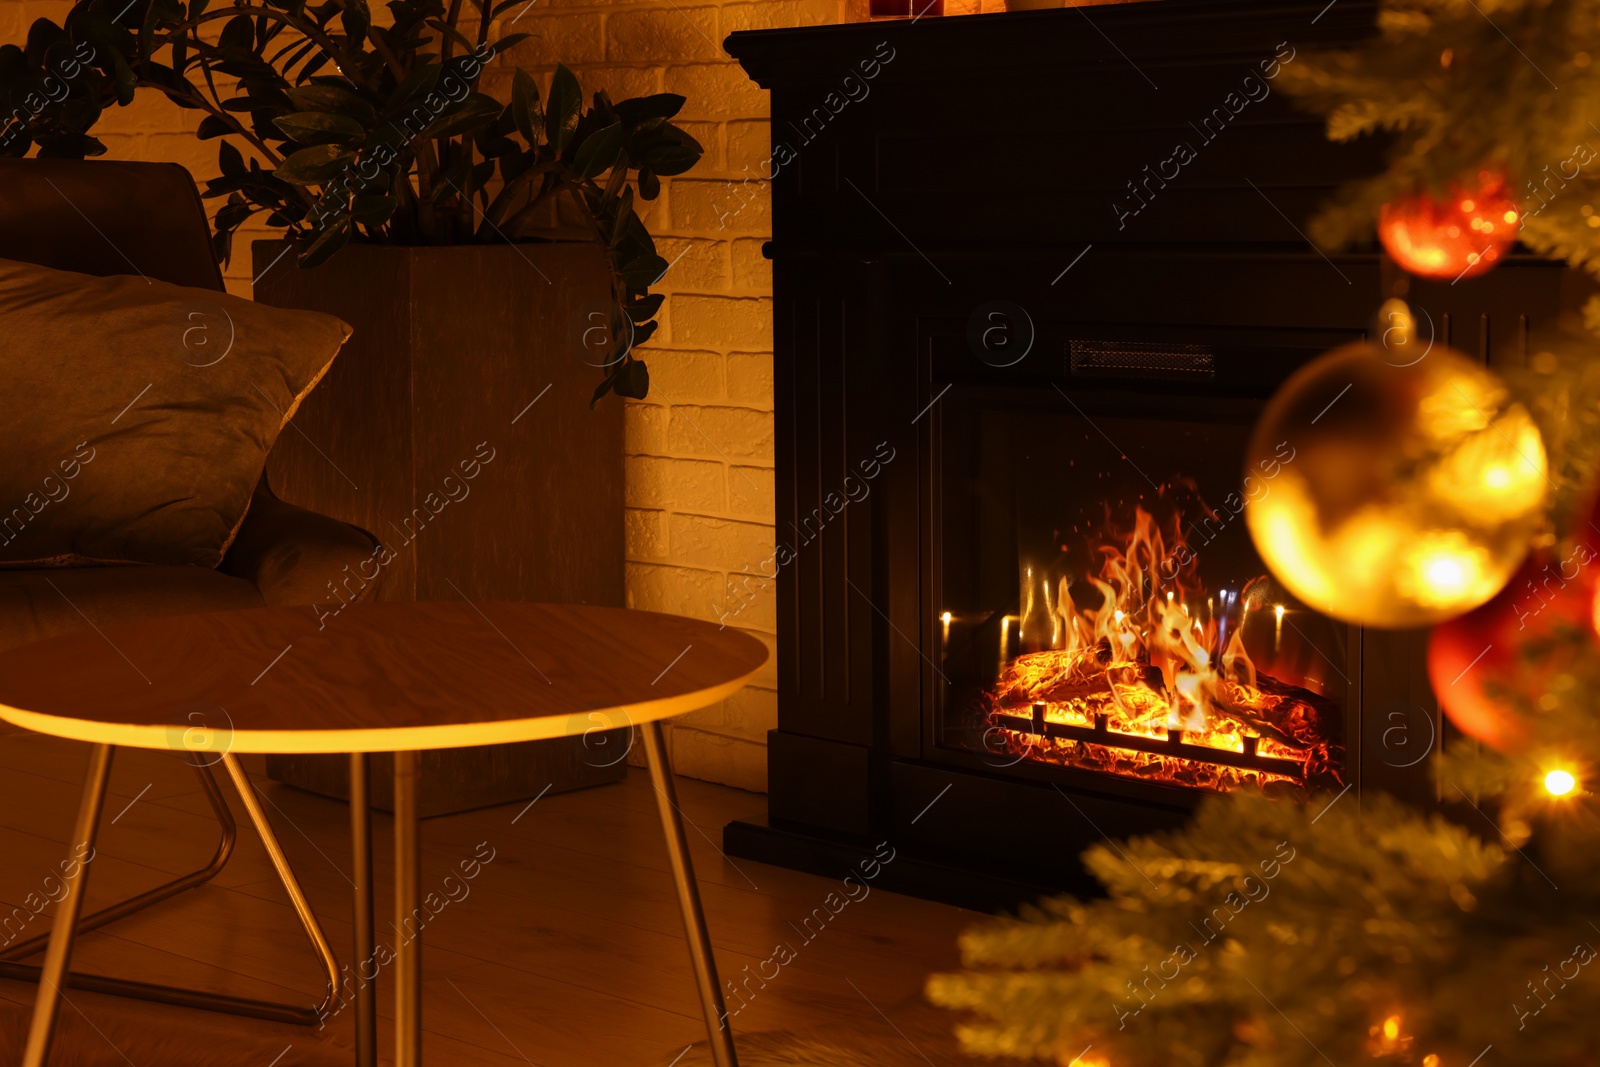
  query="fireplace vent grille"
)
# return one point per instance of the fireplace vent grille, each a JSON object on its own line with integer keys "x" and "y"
{"x": 1123, "y": 359}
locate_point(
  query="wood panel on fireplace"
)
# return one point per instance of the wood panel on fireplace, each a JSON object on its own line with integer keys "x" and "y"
{"x": 1126, "y": 175}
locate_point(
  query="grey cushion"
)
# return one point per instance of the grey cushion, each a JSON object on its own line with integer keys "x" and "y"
{"x": 35, "y": 604}
{"x": 140, "y": 414}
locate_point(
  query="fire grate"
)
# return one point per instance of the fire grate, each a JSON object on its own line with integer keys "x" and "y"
{"x": 1172, "y": 745}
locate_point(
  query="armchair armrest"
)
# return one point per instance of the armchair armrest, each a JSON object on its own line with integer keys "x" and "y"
{"x": 293, "y": 555}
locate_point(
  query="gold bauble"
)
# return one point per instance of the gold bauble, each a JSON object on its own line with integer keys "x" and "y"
{"x": 1394, "y": 495}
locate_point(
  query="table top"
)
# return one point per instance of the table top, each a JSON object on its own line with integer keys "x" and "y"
{"x": 381, "y": 677}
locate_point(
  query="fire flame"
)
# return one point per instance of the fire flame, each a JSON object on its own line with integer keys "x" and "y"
{"x": 1156, "y": 656}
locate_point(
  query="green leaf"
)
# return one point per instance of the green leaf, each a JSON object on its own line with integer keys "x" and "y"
{"x": 524, "y": 102}
{"x": 230, "y": 161}
{"x": 326, "y": 243}
{"x": 373, "y": 210}
{"x": 649, "y": 184}
{"x": 333, "y": 98}
{"x": 314, "y": 165}
{"x": 234, "y": 213}
{"x": 41, "y": 35}
{"x": 633, "y": 380}
{"x": 644, "y": 272}
{"x": 598, "y": 152}
{"x": 147, "y": 32}
{"x": 126, "y": 80}
{"x": 238, "y": 33}
{"x": 475, "y": 111}
{"x": 561, "y": 113}
{"x": 640, "y": 108}
{"x": 417, "y": 83}
{"x": 450, "y": 181}
{"x": 452, "y": 33}
{"x": 321, "y": 127}
{"x": 510, "y": 40}
{"x": 356, "y": 20}
{"x": 213, "y": 126}
{"x": 620, "y": 214}
{"x": 644, "y": 310}
{"x": 665, "y": 149}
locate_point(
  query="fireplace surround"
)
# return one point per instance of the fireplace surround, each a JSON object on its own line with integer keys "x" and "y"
{"x": 1041, "y": 271}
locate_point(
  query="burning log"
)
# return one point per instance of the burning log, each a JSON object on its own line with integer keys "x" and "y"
{"x": 1146, "y": 687}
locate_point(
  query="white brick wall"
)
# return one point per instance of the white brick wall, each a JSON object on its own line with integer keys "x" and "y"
{"x": 700, "y": 503}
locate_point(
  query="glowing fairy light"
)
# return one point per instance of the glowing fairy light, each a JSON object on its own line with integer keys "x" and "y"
{"x": 1277, "y": 636}
{"x": 1558, "y": 783}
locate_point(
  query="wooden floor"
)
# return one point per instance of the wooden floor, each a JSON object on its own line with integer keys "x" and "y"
{"x": 566, "y": 949}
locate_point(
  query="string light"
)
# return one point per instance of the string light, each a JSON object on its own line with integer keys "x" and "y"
{"x": 1387, "y": 1038}
{"x": 1558, "y": 783}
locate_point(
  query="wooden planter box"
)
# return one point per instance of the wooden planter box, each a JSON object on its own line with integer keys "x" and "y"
{"x": 456, "y": 427}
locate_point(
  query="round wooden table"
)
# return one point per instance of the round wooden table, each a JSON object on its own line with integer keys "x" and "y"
{"x": 391, "y": 677}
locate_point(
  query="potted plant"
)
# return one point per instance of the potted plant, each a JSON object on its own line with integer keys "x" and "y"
{"x": 425, "y": 206}
{"x": 372, "y": 132}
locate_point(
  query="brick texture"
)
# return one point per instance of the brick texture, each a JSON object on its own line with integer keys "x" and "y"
{"x": 699, "y": 469}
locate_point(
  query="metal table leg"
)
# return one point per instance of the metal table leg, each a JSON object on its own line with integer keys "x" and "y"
{"x": 408, "y": 919}
{"x": 219, "y": 859}
{"x": 366, "y": 1001}
{"x": 300, "y": 1015}
{"x": 694, "y": 916}
{"x": 65, "y": 928}
{"x": 291, "y": 884}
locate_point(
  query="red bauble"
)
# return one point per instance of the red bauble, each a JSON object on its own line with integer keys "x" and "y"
{"x": 1462, "y": 235}
{"x": 1483, "y": 648}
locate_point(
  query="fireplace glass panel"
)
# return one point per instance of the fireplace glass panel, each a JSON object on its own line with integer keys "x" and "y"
{"x": 1100, "y": 605}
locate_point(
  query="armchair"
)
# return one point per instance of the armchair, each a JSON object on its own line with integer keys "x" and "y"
{"x": 106, "y": 218}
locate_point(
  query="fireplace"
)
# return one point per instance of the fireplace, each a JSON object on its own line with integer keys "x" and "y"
{"x": 1015, "y": 369}
{"x": 1101, "y": 608}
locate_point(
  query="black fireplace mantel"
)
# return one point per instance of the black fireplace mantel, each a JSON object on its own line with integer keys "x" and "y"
{"x": 923, "y": 170}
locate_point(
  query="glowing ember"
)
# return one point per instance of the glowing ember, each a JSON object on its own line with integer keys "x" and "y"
{"x": 1141, "y": 686}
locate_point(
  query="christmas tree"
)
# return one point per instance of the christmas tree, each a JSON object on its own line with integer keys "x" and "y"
{"x": 1465, "y": 88}
{"x": 1354, "y": 929}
